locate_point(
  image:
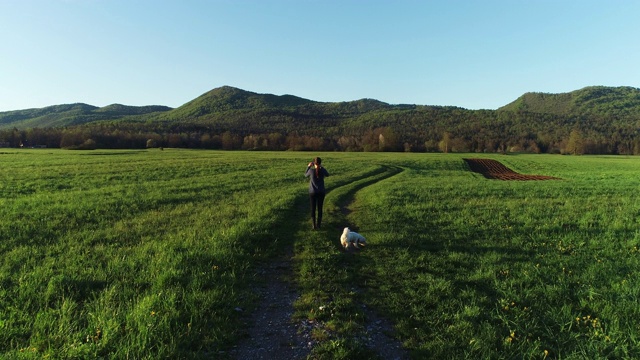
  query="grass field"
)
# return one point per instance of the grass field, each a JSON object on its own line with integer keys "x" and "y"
{"x": 151, "y": 254}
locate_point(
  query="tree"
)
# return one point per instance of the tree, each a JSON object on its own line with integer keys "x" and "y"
{"x": 276, "y": 141}
{"x": 88, "y": 144}
{"x": 575, "y": 144}
{"x": 348, "y": 143}
{"x": 445, "y": 143}
{"x": 231, "y": 141}
{"x": 71, "y": 138}
{"x": 387, "y": 139}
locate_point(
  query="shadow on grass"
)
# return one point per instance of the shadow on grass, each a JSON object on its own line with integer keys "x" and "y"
{"x": 343, "y": 196}
{"x": 330, "y": 279}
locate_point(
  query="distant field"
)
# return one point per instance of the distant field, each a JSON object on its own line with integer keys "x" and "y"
{"x": 149, "y": 254}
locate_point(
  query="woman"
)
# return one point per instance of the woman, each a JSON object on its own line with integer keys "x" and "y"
{"x": 316, "y": 189}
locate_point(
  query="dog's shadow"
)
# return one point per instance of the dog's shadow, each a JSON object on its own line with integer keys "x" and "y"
{"x": 352, "y": 249}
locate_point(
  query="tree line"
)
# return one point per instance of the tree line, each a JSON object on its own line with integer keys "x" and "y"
{"x": 428, "y": 129}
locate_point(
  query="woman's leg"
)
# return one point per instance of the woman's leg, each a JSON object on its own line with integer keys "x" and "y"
{"x": 313, "y": 201}
{"x": 320, "y": 204}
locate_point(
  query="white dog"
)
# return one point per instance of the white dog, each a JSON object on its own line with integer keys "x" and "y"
{"x": 351, "y": 237}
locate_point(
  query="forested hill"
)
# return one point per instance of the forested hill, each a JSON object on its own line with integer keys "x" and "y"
{"x": 223, "y": 102}
{"x": 228, "y": 100}
{"x": 590, "y": 120}
{"x": 618, "y": 102}
{"x": 71, "y": 114}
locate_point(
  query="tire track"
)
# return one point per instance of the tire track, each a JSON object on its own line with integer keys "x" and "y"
{"x": 347, "y": 198}
{"x": 378, "y": 331}
{"x": 271, "y": 331}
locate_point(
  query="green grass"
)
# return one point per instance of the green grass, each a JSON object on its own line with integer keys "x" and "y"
{"x": 134, "y": 254}
{"x": 477, "y": 268}
{"x": 149, "y": 254}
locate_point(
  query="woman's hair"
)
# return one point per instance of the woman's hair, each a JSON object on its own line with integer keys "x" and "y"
{"x": 317, "y": 161}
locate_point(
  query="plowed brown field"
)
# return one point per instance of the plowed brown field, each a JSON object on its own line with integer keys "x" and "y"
{"x": 492, "y": 169}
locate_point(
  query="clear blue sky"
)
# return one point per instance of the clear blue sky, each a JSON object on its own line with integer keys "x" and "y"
{"x": 475, "y": 54}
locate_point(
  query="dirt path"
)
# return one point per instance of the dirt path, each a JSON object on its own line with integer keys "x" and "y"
{"x": 273, "y": 334}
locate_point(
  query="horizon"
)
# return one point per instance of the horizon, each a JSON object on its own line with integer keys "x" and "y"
{"x": 438, "y": 53}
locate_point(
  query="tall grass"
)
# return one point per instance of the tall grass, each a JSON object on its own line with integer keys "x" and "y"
{"x": 143, "y": 254}
{"x": 477, "y": 268}
{"x": 153, "y": 254}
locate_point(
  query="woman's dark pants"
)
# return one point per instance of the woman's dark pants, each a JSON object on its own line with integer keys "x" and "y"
{"x": 317, "y": 200}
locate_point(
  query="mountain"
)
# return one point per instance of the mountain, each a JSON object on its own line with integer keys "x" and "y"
{"x": 43, "y": 117}
{"x": 606, "y": 118}
{"x": 228, "y": 99}
{"x": 71, "y": 114}
{"x": 229, "y": 108}
{"x": 221, "y": 105}
{"x": 619, "y": 102}
{"x": 120, "y": 110}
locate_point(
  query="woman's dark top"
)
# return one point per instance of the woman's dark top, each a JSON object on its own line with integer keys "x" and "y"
{"x": 316, "y": 185}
